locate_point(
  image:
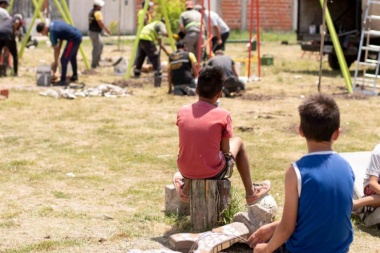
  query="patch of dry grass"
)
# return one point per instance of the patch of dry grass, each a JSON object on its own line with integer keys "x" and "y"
{"x": 120, "y": 153}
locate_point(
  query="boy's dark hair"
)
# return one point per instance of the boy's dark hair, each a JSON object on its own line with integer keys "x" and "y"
{"x": 320, "y": 117}
{"x": 180, "y": 44}
{"x": 40, "y": 27}
{"x": 210, "y": 81}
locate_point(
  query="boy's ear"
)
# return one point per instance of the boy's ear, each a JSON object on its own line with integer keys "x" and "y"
{"x": 300, "y": 131}
{"x": 336, "y": 134}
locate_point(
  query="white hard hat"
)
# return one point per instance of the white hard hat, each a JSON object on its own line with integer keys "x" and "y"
{"x": 99, "y": 3}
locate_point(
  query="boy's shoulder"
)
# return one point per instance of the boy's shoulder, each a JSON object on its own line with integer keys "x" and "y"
{"x": 311, "y": 157}
{"x": 204, "y": 107}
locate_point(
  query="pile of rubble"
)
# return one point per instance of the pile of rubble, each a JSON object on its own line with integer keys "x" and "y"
{"x": 103, "y": 90}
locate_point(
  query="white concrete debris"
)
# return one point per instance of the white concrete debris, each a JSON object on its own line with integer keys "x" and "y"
{"x": 152, "y": 251}
{"x": 105, "y": 90}
{"x": 258, "y": 214}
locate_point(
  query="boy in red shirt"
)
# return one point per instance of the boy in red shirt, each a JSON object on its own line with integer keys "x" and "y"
{"x": 207, "y": 148}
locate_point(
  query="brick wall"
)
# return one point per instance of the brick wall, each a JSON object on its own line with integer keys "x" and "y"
{"x": 275, "y": 15}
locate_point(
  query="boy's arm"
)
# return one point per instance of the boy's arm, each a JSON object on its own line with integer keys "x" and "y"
{"x": 374, "y": 184}
{"x": 194, "y": 64}
{"x": 225, "y": 146}
{"x": 289, "y": 217}
{"x": 57, "y": 50}
{"x": 170, "y": 78}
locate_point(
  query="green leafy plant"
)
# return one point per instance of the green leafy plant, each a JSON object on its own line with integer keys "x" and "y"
{"x": 174, "y": 10}
{"x": 227, "y": 215}
{"x": 114, "y": 27}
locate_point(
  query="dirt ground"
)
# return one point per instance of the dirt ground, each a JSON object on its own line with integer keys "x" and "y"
{"x": 71, "y": 170}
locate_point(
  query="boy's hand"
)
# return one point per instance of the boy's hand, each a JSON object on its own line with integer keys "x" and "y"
{"x": 262, "y": 235}
{"x": 261, "y": 248}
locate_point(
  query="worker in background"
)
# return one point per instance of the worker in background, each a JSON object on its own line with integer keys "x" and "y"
{"x": 148, "y": 15}
{"x": 189, "y": 24}
{"x": 147, "y": 48}
{"x": 219, "y": 29}
{"x": 8, "y": 32}
{"x": 182, "y": 71}
{"x": 146, "y": 20}
{"x": 4, "y": 15}
{"x": 232, "y": 82}
{"x": 58, "y": 31}
{"x": 95, "y": 27}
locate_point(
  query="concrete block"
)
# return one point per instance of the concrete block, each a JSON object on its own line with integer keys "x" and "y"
{"x": 212, "y": 241}
{"x": 257, "y": 216}
{"x": 265, "y": 209}
{"x": 164, "y": 250}
{"x": 173, "y": 203}
{"x": 243, "y": 218}
{"x": 373, "y": 218}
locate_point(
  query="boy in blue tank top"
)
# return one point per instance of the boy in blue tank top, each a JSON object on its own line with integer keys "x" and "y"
{"x": 318, "y": 190}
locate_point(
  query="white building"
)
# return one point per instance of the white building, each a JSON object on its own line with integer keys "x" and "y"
{"x": 122, "y": 11}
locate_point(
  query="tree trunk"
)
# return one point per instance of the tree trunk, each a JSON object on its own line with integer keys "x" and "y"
{"x": 208, "y": 199}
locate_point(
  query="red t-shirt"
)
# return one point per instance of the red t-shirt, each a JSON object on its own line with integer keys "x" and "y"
{"x": 201, "y": 128}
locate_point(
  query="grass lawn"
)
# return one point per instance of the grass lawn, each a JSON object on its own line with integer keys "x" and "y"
{"x": 88, "y": 175}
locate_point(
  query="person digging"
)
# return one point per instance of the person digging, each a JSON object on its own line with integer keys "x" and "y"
{"x": 58, "y": 31}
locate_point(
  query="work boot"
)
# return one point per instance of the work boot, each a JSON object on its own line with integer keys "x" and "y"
{"x": 157, "y": 81}
{"x": 61, "y": 83}
{"x": 136, "y": 73}
{"x": 74, "y": 78}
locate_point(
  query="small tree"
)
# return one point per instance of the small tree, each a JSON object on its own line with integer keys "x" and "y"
{"x": 174, "y": 9}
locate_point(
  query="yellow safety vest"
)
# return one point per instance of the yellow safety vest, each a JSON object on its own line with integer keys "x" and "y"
{"x": 149, "y": 32}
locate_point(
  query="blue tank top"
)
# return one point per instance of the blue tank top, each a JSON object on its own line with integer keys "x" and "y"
{"x": 325, "y": 188}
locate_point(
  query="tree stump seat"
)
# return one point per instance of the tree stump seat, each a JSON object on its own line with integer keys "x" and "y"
{"x": 208, "y": 199}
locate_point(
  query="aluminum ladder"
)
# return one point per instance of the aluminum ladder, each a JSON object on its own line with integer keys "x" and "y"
{"x": 364, "y": 63}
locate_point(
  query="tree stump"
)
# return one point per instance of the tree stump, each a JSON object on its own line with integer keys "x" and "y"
{"x": 208, "y": 199}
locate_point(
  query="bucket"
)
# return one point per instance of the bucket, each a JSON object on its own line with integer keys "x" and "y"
{"x": 121, "y": 68}
{"x": 254, "y": 45}
{"x": 43, "y": 76}
{"x": 266, "y": 60}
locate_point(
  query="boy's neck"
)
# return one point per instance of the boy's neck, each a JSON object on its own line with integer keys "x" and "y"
{"x": 209, "y": 100}
{"x": 313, "y": 146}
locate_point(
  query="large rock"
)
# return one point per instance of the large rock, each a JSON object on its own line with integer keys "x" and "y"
{"x": 258, "y": 214}
{"x": 270, "y": 203}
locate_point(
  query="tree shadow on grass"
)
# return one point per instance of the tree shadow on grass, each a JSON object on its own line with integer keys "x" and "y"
{"x": 325, "y": 72}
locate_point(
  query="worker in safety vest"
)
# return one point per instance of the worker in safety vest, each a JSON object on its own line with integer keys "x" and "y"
{"x": 145, "y": 19}
{"x": 147, "y": 48}
{"x": 148, "y": 16}
{"x": 189, "y": 24}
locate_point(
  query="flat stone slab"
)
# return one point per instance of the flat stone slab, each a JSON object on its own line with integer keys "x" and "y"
{"x": 212, "y": 241}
